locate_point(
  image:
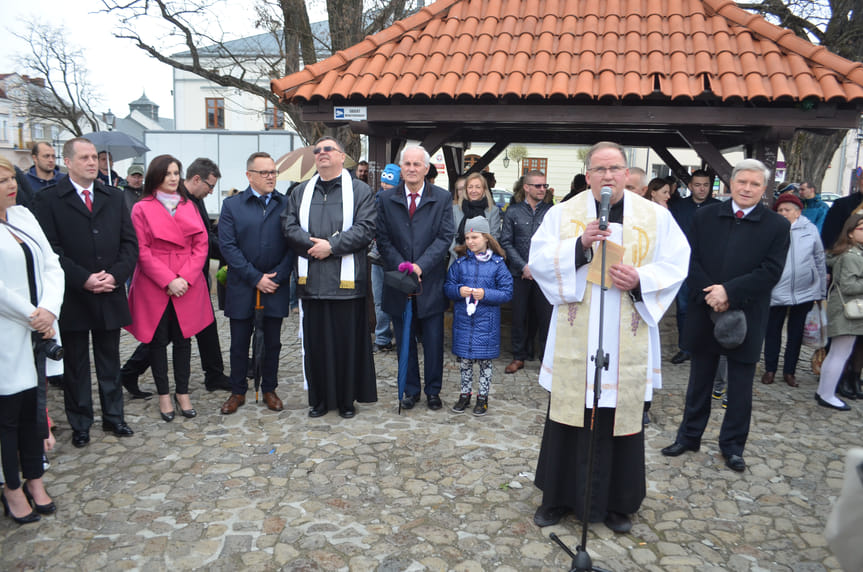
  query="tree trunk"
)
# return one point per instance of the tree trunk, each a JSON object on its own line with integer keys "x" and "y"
{"x": 808, "y": 155}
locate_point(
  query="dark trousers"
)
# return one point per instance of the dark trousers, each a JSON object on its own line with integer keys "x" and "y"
{"x": 735, "y": 425}
{"x": 20, "y": 444}
{"x": 209, "y": 349}
{"x": 682, "y": 303}
{"x": 77, "y": 385}
{"x": 241, "y": 337}
{"x": 531, "y": 314}
{"x": 793, "y": 338}
{"x": 169, "y": 332}
{"x": 432, "y": 331}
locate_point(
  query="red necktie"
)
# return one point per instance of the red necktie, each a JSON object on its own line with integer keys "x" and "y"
{"x": 87, "y": 200}
{"x": 413, "y": 207}
{"x": 739, "y": 214}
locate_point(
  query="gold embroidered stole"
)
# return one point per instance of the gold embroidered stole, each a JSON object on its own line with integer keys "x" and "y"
{"x": 569, "y": 386}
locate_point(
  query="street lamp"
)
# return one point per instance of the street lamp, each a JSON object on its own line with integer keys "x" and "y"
{"x": 506, "y": 158}
{"x": 109, "y": 120}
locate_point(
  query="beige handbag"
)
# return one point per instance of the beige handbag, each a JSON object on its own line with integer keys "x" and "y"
{"x": 853, "y": 308}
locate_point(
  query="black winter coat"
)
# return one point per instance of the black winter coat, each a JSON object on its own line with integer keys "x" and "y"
{"x": 423, "y": 240}
{"x": 325, "y": 221}
{"x": 520, "y": 222}
{"x": 88, "y": 243}
{"x": 746, "y": 256}
{"x": 836, "y": 217}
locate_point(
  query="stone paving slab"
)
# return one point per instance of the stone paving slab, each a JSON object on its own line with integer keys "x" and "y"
{"x": 260, "y": 490}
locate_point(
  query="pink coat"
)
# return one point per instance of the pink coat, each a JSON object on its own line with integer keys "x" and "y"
{"x": 168, "y": 246}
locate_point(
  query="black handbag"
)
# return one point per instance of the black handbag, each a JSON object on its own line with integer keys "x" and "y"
{"x": 405, "y": 283}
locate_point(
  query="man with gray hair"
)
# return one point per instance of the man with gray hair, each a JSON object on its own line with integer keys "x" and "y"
{"x": 738, "y": 253}
{"x": 415, "y": 225}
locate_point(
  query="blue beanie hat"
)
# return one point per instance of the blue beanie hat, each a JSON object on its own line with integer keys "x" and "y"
{"x": 391, "y": 174}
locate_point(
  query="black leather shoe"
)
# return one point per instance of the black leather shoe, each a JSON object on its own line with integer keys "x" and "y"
{"x": 735, "y": 463}
{"x": 680, "y": 357}
{"x": 120, "y": 429}
{"x": 549, "y": 515}
{"x": 408, "y": 401}
{"x": 676, "y": 449}
{"x": 80, "y": 438}
{"x": 49, "y": 508}
{"x": 187, "y": 413}
{"x": 318, "y": 411}
{"x": 822, "y": 403}
{"x": 27, "y": 519}
{"x": 348, "y": 413}
{"x": 618, "y": 522}
{"x": 221, "y": 383}
{"x": 434, "y": 402}
{"x": 131, "y": 386}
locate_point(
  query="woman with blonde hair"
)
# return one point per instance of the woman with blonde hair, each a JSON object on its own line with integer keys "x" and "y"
{"x": 476, "y": 202}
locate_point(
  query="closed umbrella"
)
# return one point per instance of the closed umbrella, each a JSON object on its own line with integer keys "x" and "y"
{"x": 299, "y": 164}
{"x": 256, "y": 366}
{"x": 404, "y": 280}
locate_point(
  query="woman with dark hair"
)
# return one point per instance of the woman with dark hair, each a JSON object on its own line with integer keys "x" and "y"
{"x": 168, "y": 295}
{"x": 31, "y": 293}
{"x": 659, "y": 191}
{"x": 477, "y": 202}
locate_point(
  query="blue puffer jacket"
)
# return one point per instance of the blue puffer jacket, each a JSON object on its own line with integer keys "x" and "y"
{"x": 478, "y": 336}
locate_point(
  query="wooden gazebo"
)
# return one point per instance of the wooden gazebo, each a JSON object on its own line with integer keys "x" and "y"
{"x": 662, "y": 74}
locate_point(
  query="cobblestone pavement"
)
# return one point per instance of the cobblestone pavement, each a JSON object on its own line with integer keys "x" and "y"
{"x": 426, "y": 490}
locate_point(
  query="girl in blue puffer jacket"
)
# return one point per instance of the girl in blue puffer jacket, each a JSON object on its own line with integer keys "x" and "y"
{"x": 479, "y": 282}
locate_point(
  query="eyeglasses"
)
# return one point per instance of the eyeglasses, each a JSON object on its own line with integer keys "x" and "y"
{"x": 261, "y": 173}
{"x": 213, "y": 186}
{"x": 538, "y": 185}
{"x": 325, "y": 149}
{"x": 601, "y": 171}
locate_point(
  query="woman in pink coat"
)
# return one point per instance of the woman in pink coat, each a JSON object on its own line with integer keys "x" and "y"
{"x": 168, "y": 297}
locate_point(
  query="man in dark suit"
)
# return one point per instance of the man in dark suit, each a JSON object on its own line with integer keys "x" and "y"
{"x": 415, "y": 225}
{"x": 201, "y": 178}
{"x": 259, "y": 260}
{"x": 738, "y": 253}
{"x": 88, "y": 225}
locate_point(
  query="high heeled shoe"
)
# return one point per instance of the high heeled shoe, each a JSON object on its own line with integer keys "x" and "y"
{"x": 167, "y": 417}
{"x": 188, "y": 413}
{"x": 32, "y": 517}
{"x": 49, "y": 508}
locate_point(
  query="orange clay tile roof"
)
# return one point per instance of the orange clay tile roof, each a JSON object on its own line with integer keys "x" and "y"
{"x": 462, "y": 50}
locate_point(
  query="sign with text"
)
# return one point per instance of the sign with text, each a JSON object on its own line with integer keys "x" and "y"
{"x": 350, "y": 113}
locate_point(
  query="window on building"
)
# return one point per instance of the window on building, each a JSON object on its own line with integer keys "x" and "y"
{"x": 534, "y": 164}
{"x": 4, "y": 130}
{"x": 38, "y": 132}
{"x": 274, "y": 118}
{"x": 215, "y": 113}
{"x": 55, "y": 133}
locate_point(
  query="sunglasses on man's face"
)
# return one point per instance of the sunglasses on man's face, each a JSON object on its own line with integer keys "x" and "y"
{"x": 325, "y": 149}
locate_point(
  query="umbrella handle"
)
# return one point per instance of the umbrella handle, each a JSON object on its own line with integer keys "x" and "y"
{"x": 258, "y": 300}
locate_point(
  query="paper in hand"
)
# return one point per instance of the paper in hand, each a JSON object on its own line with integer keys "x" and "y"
{"x": 613, "y": 255}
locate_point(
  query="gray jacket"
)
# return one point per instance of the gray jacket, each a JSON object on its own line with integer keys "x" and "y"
{"x": 325, "y": 221}
{"x": 847, "y": 271}
{"x": 804, "y": 277}
{"x": 492, "y": 213}
{"x": 520, "y": 222}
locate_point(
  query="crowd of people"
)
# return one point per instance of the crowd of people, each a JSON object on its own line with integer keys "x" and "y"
{"x": 84, "y": 260}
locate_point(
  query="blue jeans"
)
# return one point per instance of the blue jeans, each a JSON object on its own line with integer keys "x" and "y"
{"x": 383, "y": 334}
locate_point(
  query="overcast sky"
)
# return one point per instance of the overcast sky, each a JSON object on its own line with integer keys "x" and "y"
{"x": 119, "y": 70}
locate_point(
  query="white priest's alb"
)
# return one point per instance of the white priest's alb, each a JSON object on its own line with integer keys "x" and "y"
{"x": 656, "y": 246}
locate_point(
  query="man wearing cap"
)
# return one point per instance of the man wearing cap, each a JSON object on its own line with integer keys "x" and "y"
{"x": 134, "y": 185}
{"x": 390, "y": 178}
{"x": 329, "y": 222}
{"x": 738, "y": 253}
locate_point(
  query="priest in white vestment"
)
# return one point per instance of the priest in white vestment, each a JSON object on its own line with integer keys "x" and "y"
{"x": 648, "y": 258}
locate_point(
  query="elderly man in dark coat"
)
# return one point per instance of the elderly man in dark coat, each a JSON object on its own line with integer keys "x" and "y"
{"x": 415, "y": 225}
{"x": 738, "y": 253}
{"x": 88, "y": 225}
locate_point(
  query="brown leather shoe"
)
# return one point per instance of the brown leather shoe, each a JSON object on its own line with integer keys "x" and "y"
{"x": 233, "y": 402}
{"x": 790, "y": 379}
{"x": 767, "y": 378}
{"x": 272, "y": 400}
{"x": 514, "y": 366}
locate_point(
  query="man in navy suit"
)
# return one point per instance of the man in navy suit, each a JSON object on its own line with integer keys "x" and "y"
{"x": 415, "y": 225}
{"x": 259, "y": 260}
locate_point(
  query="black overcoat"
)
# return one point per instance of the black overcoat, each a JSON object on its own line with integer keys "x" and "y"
{"x": 746, "y": 256}
{"x": 423, "y": 240}
{"x": 88, "y": 243}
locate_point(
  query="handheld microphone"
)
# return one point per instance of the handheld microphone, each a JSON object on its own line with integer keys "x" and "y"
{"x": 604, "y": 204}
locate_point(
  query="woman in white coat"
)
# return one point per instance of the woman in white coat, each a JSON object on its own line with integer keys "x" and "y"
{"x": 31, "y": 293}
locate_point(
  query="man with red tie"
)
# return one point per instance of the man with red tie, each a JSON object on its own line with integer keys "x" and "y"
{"x": 738, "y": 253}
{"x": 88, "y": 225}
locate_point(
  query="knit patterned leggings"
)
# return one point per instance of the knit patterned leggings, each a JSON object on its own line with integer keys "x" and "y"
{"x": 466, "y": 368}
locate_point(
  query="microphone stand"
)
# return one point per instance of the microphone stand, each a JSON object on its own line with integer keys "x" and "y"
{"x": 581, "y": 561}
